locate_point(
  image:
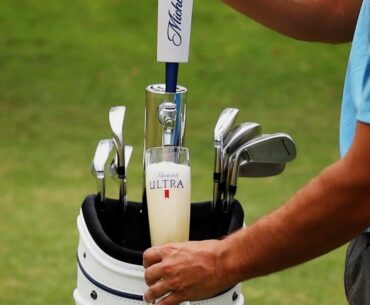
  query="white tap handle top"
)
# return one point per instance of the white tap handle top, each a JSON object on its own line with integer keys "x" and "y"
{"x": 174, "y": 27}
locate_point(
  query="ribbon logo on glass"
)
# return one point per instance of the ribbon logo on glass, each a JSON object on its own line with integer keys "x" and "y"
{"x": 175, "y": 22}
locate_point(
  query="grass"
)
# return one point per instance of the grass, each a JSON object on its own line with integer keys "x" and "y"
{"x": 64, "y": 63}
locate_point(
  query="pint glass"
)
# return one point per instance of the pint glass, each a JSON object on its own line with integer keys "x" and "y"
{"x": 168, "y": 193}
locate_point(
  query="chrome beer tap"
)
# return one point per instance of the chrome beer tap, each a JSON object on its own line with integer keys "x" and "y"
{"x": 167, "y": 115}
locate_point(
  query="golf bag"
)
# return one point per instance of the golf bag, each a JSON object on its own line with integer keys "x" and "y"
{"x": 111, "y": 245}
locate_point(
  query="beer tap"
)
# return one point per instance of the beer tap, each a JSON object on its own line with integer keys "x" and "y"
{"x": 167, "y": 115}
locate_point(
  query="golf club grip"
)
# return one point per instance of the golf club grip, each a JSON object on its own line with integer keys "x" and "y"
{"x": 121, "y": 172}
{"x": 122, "y": 192}
{"x": 232, "y": 189}
{"x": 221, "y": 189}
{"x": 230, "y": 197}
{"x": 216, "y": 177}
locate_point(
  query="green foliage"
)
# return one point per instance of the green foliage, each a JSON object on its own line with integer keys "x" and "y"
{"x": 64, "y": 63}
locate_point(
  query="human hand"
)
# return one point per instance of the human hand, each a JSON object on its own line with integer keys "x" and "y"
{"x": 185, "y": 271}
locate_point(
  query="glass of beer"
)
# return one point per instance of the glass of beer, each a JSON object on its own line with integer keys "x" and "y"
{"x": 168, "y": 193}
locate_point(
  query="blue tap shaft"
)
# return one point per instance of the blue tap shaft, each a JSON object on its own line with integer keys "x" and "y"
{"x": 172, "y": 70}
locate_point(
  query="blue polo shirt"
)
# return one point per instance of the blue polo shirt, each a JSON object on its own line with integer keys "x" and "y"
{"x": 356, "y": 94}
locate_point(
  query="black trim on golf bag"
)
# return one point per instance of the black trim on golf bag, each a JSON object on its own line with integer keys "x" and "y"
{"x": 126, "y": 240}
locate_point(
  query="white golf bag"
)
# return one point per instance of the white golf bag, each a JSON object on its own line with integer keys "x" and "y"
{"x": 111, "y": 245}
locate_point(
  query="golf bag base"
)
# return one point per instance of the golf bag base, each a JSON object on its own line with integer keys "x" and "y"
{"x": 111, "y": 245}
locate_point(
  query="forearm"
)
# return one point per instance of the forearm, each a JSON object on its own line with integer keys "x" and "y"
{"x": 325, "y": 214}
{"x": 321, "y": 20}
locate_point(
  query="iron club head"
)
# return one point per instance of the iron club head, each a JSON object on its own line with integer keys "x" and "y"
{"x": 267, "y": 148}
{"x": 101, "y": 156}
{"x": 239, "y": 135}
{"x": 270, "y": 148}
{"x": 224, "y": 124}
{"x": 116, "y": 120}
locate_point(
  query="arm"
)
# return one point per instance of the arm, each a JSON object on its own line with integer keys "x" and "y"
{"x": 322, "y": 20}
{"x": 323, "y": 215}
{"x": 326, "y": 213}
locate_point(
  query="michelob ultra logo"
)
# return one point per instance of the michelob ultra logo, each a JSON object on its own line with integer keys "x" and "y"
{"x": 174, "y": 25}
{"x": 166, "y": 182}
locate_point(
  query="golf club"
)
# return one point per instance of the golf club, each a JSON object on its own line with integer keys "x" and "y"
{"x": 239, "y": 135}
{"x": 101, "y": 156}
{"x": 267, "y": 148}
{"x": 116, "y": 120}
{"x": 234, "y": 139}
{"x": 222, "y": 128}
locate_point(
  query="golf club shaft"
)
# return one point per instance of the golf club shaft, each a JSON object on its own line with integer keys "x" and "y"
{"x": 123, "y": 182}
{"x": 228, "y": 172}
{"x": 101, "y": 188}
{"x": 216, "y": 178}
{"x": 230, "y": 191}
{"x": 128, "y": 152}
{"x": 230, "y": 199}
{"x": 121, "y": 171}
{"x": 122, "y": 193}
{"x": 253, "y": 170}
{"x": 223, "y": 177}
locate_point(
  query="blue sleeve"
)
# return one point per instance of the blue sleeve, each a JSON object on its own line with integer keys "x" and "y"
{"x": 363, "y": 110}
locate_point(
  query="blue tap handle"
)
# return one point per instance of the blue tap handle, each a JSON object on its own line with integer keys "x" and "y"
{"x": 172, "y": 70}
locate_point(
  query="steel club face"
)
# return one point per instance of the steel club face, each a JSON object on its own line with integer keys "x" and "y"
{"x": 98, "y": 165}
{"x": 239, "y": 135}
{"x": 116, "y": 120}
{"x": 267, "y": 148}
{"x": 224, "y": 124}
{"x": 278, "y": 147}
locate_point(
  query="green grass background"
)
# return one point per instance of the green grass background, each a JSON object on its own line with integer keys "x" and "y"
{"x": 63, "y": 64}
